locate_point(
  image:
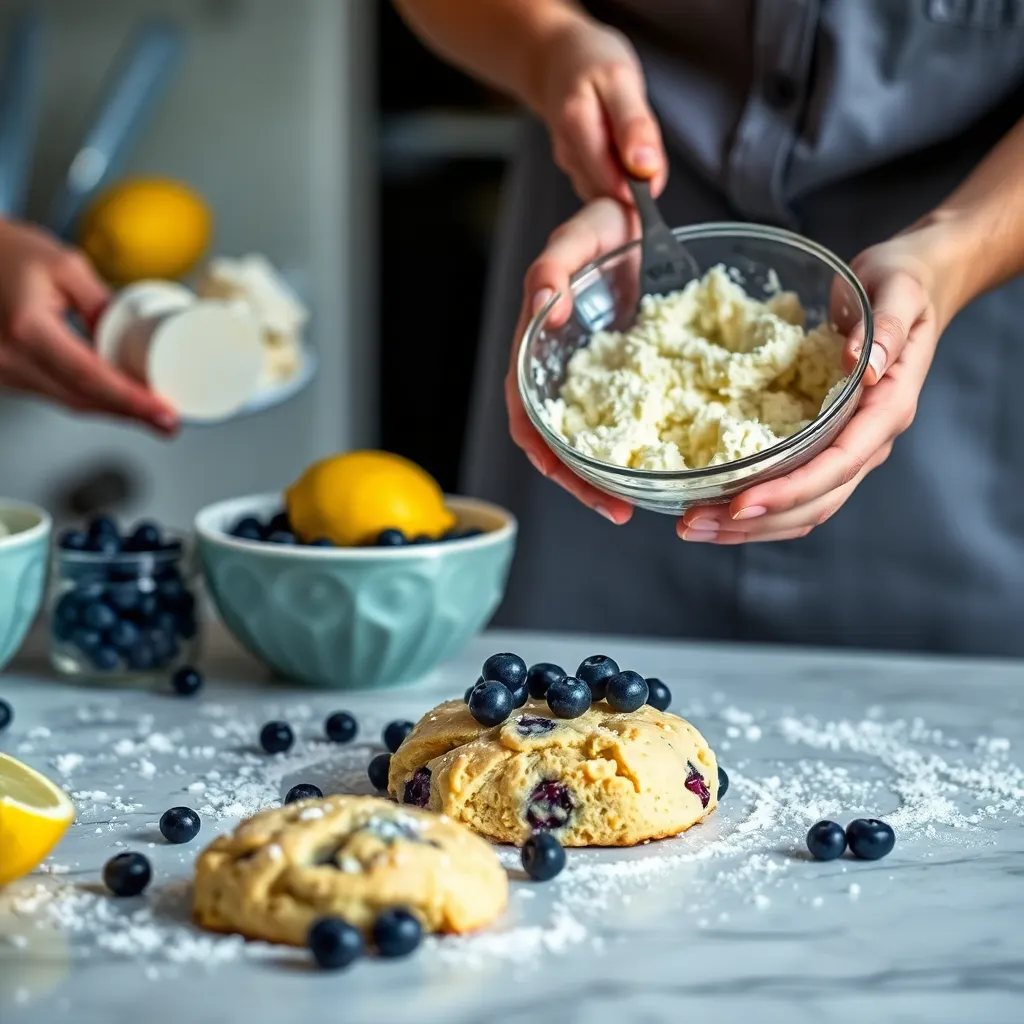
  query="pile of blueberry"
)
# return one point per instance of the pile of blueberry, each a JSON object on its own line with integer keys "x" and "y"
{"x": 394, "y": 736}
{"x": 129, "y": 873}
{"x": 335, "y": 943}
{"x": 506, "y": 683}
{"x": 866, "y": 839}
{"x": 130, "y": 610}
{"x": 278, "y": 530}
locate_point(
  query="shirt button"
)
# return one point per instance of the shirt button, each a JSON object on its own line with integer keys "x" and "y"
{"x": 780, "y": 91}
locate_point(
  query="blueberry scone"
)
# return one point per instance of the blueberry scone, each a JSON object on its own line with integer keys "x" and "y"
{"x": 350, "y": 857}
{"x": 603, "y": 779}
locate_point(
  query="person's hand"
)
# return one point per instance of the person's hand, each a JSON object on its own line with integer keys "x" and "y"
{"x": 903, "y": 280}
{"x": 41, "y": 281}
{"x": 590, "y": 92}
{"x": 598, "y": 228}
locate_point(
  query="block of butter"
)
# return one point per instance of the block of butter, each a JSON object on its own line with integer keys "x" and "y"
{"x": 254, "y": 281}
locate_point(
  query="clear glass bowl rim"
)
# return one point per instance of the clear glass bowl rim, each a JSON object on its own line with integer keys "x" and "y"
{"x": 711, "y": 229}
{"x": 74, "y": 556}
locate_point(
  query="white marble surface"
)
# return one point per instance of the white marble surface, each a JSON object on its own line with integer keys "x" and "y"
{"x": 731, "y": 922}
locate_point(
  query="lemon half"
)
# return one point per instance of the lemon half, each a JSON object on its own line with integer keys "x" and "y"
{"x": 349, "y": 499}
{"x": 34, "y": 814}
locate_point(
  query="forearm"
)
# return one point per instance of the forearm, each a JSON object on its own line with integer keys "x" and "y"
{"x": 981, "y": 225}
{"x": 494, "y": 40}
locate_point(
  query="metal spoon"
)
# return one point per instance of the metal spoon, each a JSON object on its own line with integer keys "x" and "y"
{"x": 665, "y": 265}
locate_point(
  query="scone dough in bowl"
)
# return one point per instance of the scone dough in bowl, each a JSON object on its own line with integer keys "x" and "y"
{"x": 347, "y": 856}
{"x": 603, "y": 779}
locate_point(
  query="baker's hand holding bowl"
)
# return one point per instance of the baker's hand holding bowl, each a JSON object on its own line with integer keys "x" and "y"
{"x": 916, "y": 282}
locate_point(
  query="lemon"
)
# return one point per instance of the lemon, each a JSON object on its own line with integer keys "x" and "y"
{"x": 34, "y": 814}
{"x": 146, "y": 228}
{"x": 351, "y": 498}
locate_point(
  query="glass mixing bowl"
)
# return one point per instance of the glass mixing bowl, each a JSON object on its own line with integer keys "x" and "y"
{"x": 604, "y": 293}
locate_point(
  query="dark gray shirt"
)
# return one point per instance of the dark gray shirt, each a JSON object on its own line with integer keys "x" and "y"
{"x": 772, "y": 99}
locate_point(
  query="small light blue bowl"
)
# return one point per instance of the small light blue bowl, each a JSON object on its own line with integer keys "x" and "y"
{"x": 355, "y": 618}
{"x": 24, "y": 555}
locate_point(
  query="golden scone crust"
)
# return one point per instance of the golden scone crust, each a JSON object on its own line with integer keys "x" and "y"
{"x": 603, "y": 779}
{"x": 351, "y": 857}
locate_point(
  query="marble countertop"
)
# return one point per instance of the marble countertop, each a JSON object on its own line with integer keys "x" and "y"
{"x": 731, "y": 922}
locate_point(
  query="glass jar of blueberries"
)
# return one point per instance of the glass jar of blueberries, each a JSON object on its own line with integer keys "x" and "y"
{"x": 122, "y": 606}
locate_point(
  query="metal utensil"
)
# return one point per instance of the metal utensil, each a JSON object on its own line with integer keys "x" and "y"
{"x": 130, "y": 96}
{"x": 665, "y": 265}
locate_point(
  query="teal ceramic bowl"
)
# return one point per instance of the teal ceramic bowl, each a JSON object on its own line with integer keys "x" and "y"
{"x": 355, "y": 618}
{"x": 24, "y": 554}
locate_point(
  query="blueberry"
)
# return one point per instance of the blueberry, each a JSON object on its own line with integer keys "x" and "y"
{"x": 187, "y": 681}
{"x": 626, "y": 691}
{"x": 187, "y": 626}
{"x": 473, "y": 531}
{"x": 541, "y": 676}
{"x": 86, "y": 640}
{"x": 303, "y": 791}
{"x": 533, "y": 725}
{"x": 73, "y": 540}
{"x": 569, "y": 697}
{"x": 659, "y": 696}
{"x": 826, "y": 840}
{"x": 279, "y": 521}
{"x": 276, "y": 737}
{"x": 105, "y": 658}
{"x": 549, "y": 806}
{"x": 322, "y": 542}
{"x": 470, "y": 689}
{"x": 391, "y": 539}
{"x": 378, "y": 771}
{"x": 166, "y": 621}
{"x": 335, "y": 943}
{"x": 99, "y": 616}
{"x": 165, "y": 647}
{"x": 103, "y": 525}
{"x": 141, "y": 657}
{"x": 695, "y": 783}
{"x": 395, "y": 732}
{"x": 127, "y": 874}
{"x": 869, "y": 838}
{"x": 509, "y": 669}
{"x": 723, "y": 782}
{"x": 179, "y": 825}
{"x": 543, "y": 857}
{"x": 124, "y": 596}
{"x": 417, "y": 789}
{"x": 145, "y": 537}
{"x": 423, "y": 538}
{"x": 171, "y": 591}
{"x": 396, "y": 932}
{"x": 89, "y": 590}
{"x": 248, "y": 528}
{"x": 595, "y": 671}
{"x": 108, "y": 544}
{"x": 6, "y": 715}
{"x": 491, "y": 703}
{"x": 341, "y": 727}
{"x": 282, "y": 537}
{"x": 146, "y": 608}
{"x": 66, "y": 616}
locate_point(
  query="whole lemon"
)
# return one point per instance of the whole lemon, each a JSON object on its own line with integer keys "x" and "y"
{"x": 350, "y": 498}
{"x": 146, "y": 228}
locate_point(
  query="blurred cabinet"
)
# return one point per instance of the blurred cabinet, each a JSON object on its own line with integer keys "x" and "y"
{"x": 271, "y": 118}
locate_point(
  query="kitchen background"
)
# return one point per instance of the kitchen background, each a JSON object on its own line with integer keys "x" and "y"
{"x": 324, "y": 136}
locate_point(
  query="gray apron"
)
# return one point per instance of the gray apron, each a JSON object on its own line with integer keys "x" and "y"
{"x": 845, "y": 121}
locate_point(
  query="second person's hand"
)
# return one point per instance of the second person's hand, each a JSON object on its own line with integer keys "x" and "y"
{"x": 590, "y": 92}
{"x": 41, "y": 281}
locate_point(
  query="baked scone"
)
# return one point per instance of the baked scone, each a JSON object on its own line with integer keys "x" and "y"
{"x": 603, "y": 779}
{"x": 347, "y": 856}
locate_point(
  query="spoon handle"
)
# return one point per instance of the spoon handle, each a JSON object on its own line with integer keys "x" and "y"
{"x": 650, "y": 215}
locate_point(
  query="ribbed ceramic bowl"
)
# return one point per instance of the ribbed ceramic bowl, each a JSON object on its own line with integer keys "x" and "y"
{"x": 605, "y": 296}
{"x": 24, "y": 551}
{"x": 355, "y": 618}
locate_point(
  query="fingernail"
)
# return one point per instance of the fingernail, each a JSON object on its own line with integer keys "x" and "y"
{"x": 606, "y": 513}
{"x": 541, "y": 298}
{"x": 700, "y": 536}
{"x": 703, "y": 524}
{"x": 165, "y": 420}
{"x": 877, "y": 359}
{"x": 750, "y": 512}
{"x": 644, "y": 158}
{"x": 537, "y": 464}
